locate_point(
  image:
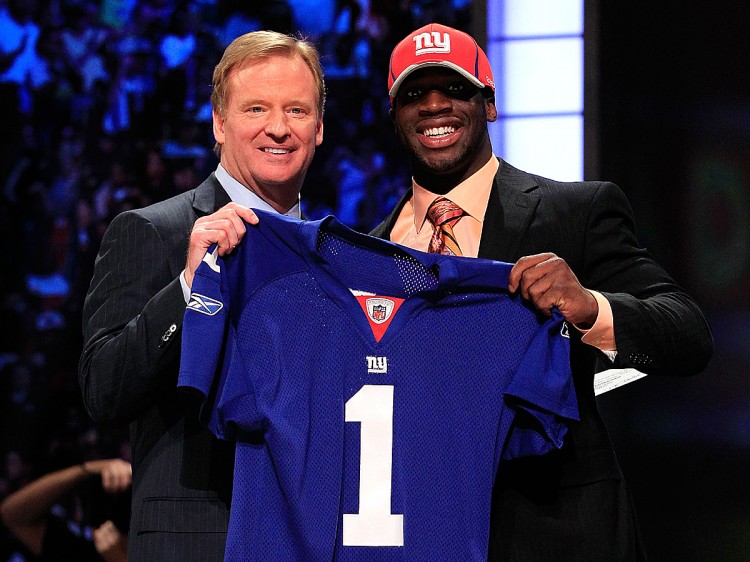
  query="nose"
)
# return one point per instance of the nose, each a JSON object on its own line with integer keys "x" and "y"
{"x": 435, "y": 101}
{"x": 277, "y": 125}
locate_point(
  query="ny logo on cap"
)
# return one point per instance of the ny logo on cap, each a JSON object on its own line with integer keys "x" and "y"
{"x": 432, "y": 43}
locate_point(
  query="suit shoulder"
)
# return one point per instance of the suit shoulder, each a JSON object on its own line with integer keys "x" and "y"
{"x": 520, "y": 180}
{"x": 169, "y": 208}
{"x": 545, "y": 182}
{"x": 577, "y": 190}
{"x": 176, "y": 210}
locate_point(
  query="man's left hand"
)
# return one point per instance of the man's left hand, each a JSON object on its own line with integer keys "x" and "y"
{"x": 547, "y": 281}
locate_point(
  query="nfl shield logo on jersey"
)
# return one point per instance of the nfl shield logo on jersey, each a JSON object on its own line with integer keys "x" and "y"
{"x": 379, "y": 309}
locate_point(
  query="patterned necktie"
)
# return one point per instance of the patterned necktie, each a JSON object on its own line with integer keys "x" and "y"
{"x": 443, "y": 214}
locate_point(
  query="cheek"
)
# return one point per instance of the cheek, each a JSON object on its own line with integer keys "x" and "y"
{"x": 399, "y": 126}
{"x": 310, "y": 135}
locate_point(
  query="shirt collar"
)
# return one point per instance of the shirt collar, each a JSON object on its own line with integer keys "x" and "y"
{"x": 472, "y": 194}
{"x": 244, "y": 196}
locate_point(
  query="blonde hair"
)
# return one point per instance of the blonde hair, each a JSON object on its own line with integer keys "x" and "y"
{"x": 261, "y": 44}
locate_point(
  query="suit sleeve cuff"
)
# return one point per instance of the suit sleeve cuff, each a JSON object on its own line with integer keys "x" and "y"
{"x": 186, "y": 289}
{"x": 602, "y": 334}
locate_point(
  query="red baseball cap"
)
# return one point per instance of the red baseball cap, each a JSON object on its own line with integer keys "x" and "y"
{"x": 439, "y": 45}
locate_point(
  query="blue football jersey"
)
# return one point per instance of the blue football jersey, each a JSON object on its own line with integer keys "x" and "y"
{"x": 371, "y": 391}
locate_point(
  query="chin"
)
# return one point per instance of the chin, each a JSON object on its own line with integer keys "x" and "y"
{"x": 439, "y": 165}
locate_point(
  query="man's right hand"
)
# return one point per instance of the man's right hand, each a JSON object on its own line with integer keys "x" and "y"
{"x": 225, "y": 228}
{"x": 116, "y": 474}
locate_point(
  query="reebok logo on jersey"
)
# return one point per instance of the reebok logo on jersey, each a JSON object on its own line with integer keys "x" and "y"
{"x": 204, "y": 305}
{"x": 377, "y": 365}
{"x": 565, "y": 331}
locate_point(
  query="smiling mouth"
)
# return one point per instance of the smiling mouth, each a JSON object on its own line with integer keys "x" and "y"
{"x": 438, "y": 132}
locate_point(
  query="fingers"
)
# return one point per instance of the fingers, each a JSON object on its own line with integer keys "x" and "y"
{"x": 109, "y": 542}
{"x": 103, "y": 536}
{"x": 528, "y": 270}
{"x": 245, "y": 213}
{"x": 225, "y": 228}
{"x": 116, "y": 476}
{"x": 547, "y": 281}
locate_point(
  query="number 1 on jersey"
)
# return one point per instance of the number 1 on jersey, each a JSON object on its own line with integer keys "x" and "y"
{"x": 374, "y": 525}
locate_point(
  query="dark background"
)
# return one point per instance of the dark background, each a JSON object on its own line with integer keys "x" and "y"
{"x": 668, "y": 118}
{"x": 674, "y": 133}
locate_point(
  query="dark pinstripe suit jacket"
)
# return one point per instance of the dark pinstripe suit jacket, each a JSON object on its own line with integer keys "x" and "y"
{"x": 574, "y": 505}
{"x": 128, "y": 371}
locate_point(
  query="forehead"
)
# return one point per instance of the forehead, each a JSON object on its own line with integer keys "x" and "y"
{"x": 277, "y": 74}
{"x": 275, "y": 65}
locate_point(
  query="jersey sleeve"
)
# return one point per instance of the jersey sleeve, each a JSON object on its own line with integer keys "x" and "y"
{"x": 204, "y": 335}
{"x": 542, "y": 393}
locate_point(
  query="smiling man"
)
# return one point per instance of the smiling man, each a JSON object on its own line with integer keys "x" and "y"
{"x": 268, "y": 98}
{"x": 267, "y": 126}
{"x": 575, "y": 249}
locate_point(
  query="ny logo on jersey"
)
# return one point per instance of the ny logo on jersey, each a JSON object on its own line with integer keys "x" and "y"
{"x": 377, "y": 364}
{"x": 432, "y": 43}
{"x": 204, "y": 305}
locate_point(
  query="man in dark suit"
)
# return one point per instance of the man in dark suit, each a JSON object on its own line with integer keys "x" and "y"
{"x": 574, "y": 248}
{"x": 267, "y": 100}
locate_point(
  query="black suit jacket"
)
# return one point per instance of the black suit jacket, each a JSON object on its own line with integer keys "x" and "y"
{"x": 574, "y": 505}
{"x": 128, "y": 371}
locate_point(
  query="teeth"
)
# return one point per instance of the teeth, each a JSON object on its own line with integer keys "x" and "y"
{"x": 276, "y": 150}
{"x": 439, "y": 131}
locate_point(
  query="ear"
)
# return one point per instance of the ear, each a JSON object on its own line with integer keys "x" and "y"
{"x": 218, "y": 125}
{"x": 319, "y": 132}
{"x": 490, "y": 109}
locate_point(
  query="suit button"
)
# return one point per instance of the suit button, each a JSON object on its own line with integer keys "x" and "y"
{"x": 641, "y": 359}
{"x": 168, "y": 334}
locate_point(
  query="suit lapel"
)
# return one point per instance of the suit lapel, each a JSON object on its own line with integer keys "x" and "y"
{"x": 510, "y": 210}
{"x": 209, "y": 196}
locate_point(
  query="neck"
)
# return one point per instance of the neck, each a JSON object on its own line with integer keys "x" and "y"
{"x": 437, "y": 183}
{"x": 280, "y": 202}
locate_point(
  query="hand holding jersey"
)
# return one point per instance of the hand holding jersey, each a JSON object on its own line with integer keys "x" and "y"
{"x": 225, "y": 228}
{"x": 548, "y": 282}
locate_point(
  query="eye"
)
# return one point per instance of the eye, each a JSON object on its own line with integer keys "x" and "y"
{"x": 409, "y": 94}
{"x": 255, "y": 109}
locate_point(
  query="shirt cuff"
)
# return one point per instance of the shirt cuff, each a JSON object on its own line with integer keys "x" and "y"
{"x": 602, "y": 334}
{"x": 185, "y": 288}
